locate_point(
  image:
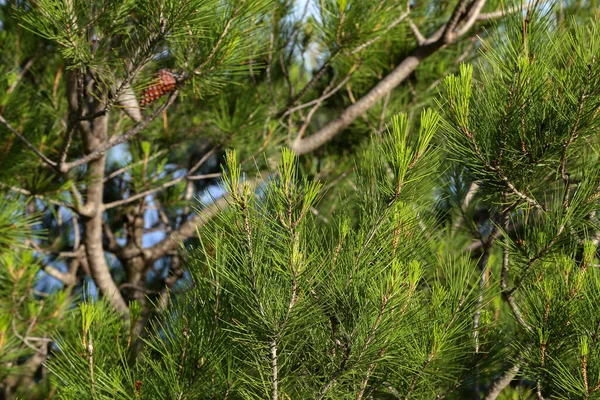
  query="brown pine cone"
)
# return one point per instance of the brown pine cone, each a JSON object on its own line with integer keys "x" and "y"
{"x": 162, "y": 85}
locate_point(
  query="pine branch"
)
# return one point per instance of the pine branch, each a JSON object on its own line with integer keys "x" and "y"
{"x": 217, "y": 45}
{"x": 504, "y": 273}
{"x": 45, "y": 160}
{"x": 327, "y": 92}
{"x": 517, "y": 192}
{"x": 497, "y": 170}
{"x": 387, "y": 84}
{"x": 336, "y": 374}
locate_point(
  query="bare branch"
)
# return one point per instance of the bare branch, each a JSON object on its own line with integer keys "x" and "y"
{"x": 441, "y": 38}
{"x": 65, "y": 150}
{"x": 67, "y": 279}
{"x": 143, "y": 194}
{"x": 76, "y": 233}
{"x": 503, "y": 382}
{"x": 189, "y": 228}
{"x": 160, "y": 187}
{"x": 473, "y": 13}
{"x": 327, "y": 93}
{"x": 202, "y": 160}
{"x": 132, "y": 165}
{"x": 120, "y": 139}
{"x": 20, "y": 75}
{"x": 80, "y": 207}
{"x": 113, "y": 244}
{"x": 416, "y": 32}
{"x": 308, "y": 86}
{"x": 399, "y": 74}
{"x": 459, "y": 11}
{"x": 503, "y": 13}
{"x": 274, "y": 369}
{"x": 205, "y": 176}
{"x": 395, "y": 23}
{"x": 386, "y": 102}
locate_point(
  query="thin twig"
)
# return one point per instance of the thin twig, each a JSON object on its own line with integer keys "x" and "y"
{"x": 318, "y": 75}
{"x": 504, "y": 273}
{"x": 45, "y": 159}
{"x": 215, "y": 48}
{"x": 483, "y": 265}
{"x": 395, "y": 23}
{"x": 37, "y": 196}
{"x": 160, "y": 187}
{"x": 326, "y": 93}
{"x": 120, "y": 139}
{"x": 503, "y": 13}
{"x": 205, "y": 176}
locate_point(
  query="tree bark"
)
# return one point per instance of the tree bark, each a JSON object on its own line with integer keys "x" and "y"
{"x": 92, "y": 237}
{"x": 94, "y": 135}
{"x": 503, "y": 382}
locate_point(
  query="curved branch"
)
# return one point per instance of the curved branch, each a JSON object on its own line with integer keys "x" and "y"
{"x": 390, "y": 82}
{"x": 189, "y": 228}
{"x": 503, "y": 382}
{"x": 443, "y": 37}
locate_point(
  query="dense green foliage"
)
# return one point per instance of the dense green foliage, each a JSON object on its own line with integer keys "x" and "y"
{"x": 410, "y": 207}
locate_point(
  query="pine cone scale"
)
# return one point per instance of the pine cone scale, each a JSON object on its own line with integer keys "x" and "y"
{"x": 165, "y": 83}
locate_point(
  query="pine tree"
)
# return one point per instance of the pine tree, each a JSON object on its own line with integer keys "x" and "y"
{"x": 282, "y": 308}
{"x": 524, "y": 131}
{"x": 338, "y": 274}
{"x": 376, "y": 303}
